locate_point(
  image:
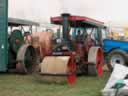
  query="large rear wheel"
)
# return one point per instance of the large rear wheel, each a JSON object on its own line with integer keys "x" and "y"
{"x": 26, "y": 58}
{"x": 95, "y": 57}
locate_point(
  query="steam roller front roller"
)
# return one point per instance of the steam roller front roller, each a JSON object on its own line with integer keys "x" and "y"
{"x": 26, "y": 58}
{"x": 58, "y": 69}
{"x": 95, "y": 57}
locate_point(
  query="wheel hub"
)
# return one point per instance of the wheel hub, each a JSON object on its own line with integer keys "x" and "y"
{"x": 117, "y": 59}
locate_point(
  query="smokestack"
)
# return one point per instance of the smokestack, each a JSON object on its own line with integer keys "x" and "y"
{"x": 65, "y": 25}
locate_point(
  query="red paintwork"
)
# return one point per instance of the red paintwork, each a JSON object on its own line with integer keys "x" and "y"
{"x": 71, "y": 69}
{"x": 99, "y": 63}
{"x": 17, "y": 41}
{"x": 77, "y": 18}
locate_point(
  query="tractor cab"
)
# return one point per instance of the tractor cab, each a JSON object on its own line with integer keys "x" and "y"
{"x": 20, "y": 50}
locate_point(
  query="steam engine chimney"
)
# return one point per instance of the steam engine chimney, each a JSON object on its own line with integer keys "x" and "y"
{"x": 65, "y": 25}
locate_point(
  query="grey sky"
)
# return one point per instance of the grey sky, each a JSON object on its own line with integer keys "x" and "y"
{"x": 41, "y": 10}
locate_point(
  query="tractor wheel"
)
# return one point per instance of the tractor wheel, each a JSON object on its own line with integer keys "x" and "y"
{"x": 26, "y": 58}
{"x": 95, "y": 59}
{"x": 116, "y": 57}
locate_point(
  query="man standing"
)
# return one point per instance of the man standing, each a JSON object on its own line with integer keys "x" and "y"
{"x": 79, "y": 37}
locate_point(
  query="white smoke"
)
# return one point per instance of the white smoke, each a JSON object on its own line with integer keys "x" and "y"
{"x": 36, "y": 10}
{"x": 91, "y": 8}
{"x": 42, "y": 10}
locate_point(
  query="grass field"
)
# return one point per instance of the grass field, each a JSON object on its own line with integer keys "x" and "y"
{"x": 29, "y": 85}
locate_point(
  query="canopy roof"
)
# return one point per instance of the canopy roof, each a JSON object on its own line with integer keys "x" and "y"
{"x": 21, "y": 22}
{"x": 78, "y": 21}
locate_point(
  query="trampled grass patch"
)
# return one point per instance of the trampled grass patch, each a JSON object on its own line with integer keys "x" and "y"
{"x": 29, "y": 85}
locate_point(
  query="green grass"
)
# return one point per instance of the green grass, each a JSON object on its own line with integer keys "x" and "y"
{"x": 29, "y": 85}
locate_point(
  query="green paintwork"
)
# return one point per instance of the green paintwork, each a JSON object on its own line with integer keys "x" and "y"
{"x": 16, "y": 35}
{"x": 3, "y": 35}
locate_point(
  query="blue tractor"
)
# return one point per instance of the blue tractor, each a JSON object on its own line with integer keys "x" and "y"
{"x": 115, "y": 52}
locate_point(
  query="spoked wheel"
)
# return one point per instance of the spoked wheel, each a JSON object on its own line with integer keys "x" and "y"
{"x": 116, "y": 57}
{"x": 95, "y": 57}
{"x": 26, "y": 58}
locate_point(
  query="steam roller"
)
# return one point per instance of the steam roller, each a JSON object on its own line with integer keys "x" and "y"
{"x": 22, "y": 56}
{"x": 72, "y": 55}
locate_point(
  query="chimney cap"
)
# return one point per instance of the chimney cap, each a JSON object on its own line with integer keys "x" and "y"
{"x": 65, "y": 14}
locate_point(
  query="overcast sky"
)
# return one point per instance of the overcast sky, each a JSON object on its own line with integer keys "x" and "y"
{"x": 42, "y": 10}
